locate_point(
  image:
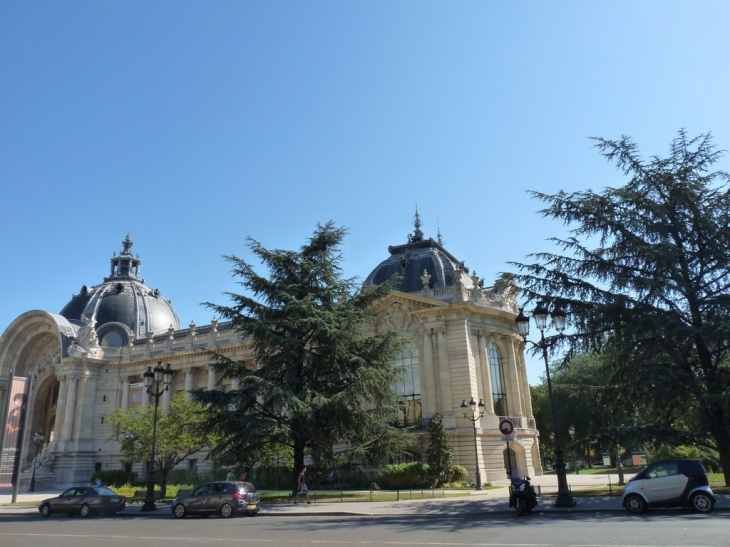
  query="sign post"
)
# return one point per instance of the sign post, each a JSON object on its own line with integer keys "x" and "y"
{"x": 507, "y": 428}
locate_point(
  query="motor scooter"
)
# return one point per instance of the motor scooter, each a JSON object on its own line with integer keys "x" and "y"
{"x": 521, "y": 494}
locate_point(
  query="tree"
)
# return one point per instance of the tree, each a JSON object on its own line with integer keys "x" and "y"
{"x": 439, "y": 452}
{"x": 179, "y": 434}
{"x": 645, "y": 278}
{"x": 323, "y": 378}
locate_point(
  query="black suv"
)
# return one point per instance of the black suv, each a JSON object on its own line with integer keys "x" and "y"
{"x": 670, "y": 483}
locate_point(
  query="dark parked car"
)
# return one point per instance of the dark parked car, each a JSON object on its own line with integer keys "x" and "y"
{"x": 670, "y": 483}
{"x": 84, "y": 500}
{"x": 225, "y": 498}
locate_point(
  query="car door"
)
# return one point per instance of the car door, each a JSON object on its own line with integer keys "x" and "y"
{"x": 218, "y": 496}
{"x": 62, "y": 503}
{"x": 197, "y": 502}
{"x": 664, "y": 482}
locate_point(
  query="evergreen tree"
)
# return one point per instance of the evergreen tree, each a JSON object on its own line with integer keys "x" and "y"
{"x": 439, "y": 452}
{"x": 645, "y": 279}
{"x": 323, "y": 382}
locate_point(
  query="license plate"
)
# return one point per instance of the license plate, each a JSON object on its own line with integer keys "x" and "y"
{"x": 252, "y": 506}
{"x": 114, "y": 499}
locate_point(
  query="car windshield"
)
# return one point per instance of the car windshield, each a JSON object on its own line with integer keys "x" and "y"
{"x": 104, "y": 491}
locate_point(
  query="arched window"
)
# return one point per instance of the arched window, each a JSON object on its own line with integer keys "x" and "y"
{"x": 408, "y": 387}
{"x": 499, "y": 391}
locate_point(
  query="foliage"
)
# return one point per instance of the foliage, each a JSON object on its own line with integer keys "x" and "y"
{"x": 457, "y": 473}
{"x": 439, "y": 452}
{"x": 322, "y": 377}
{"x": 644, "y": 276}
{"x": 179, "y": 434}
{"x": 400, "y": 476}
{"x": 709, "y": 458}
{"x": 114, "y": 477}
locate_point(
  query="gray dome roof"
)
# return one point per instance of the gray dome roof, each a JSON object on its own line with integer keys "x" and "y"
{"x": 122, "y": 304}
{"x": 410, "y": 260}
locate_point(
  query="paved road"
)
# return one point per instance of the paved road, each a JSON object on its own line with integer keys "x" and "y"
{"x": 617, "y": 529}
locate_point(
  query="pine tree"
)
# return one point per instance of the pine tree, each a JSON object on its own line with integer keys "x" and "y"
{"x": 645, "y": 278}
{"x": 439, "y": 452}
{"x": 323, "y": 378}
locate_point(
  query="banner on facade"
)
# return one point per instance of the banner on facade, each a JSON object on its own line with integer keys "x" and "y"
{"x": 136, "y": 391}
{"x": 13, "y": 429}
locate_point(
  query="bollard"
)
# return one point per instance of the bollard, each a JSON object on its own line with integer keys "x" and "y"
{"x": 398, "y": 493}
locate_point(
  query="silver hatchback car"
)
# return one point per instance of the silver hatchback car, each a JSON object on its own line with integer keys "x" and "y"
{"x": 225, "y": 498}
{"x": 670, "y": 483}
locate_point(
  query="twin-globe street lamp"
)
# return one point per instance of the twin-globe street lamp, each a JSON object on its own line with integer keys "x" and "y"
{"x": 153, "y": 379}
{"x": 38, "y": 438}
{"x": 565, "y": 498}
{"x": 474, "y": 418}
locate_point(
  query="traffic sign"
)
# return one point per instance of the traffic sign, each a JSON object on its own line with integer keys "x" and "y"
{"x": 508, "y": 438}
{"x": 506, "y": 427}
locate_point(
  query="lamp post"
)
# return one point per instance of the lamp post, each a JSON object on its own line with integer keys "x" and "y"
{"x": 153, "y": 380}
{"x": 571, "y": 432}
{"x": 474, "y": 418}
{"x": 38, "y": 438}
{"x": 564, "y": 498}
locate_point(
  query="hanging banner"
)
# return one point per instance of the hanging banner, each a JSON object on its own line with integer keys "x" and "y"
{"x": 13, "y": 426}
{"x": 136, "y": 392}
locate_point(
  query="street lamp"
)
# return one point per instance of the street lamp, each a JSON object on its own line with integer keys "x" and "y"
{"x": 474, "y": 418}
{"x": 564, "y": 498}
{"x": 152, "y": 381}
{"x": 38, "y": 438}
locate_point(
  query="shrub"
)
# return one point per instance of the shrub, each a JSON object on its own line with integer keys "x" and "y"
{"x": 115, "y": 477}
{"x": 406, "y": 475}
{"x": 458, "y": 473}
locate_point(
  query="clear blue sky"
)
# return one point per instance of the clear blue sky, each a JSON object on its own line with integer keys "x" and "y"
{"x": 195, "y": 124}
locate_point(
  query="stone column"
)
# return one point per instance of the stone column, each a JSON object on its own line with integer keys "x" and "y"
{"x": 211, "y": 378}
{"x": 60, "y": 408}
{"x": 486, "y": 373}
{"x": 85, "y": 410}
{"x": 145, "y": 397}
{"x": 527, "y": 401}
{"x": 514, "y": 377}
{"x": 68, "y": 415}
{"x": 167, "y": 394}
{"x": 78, "y": 413}
{"x": 428, "y": 394}
{"x": 444, "y": 373}
{"x": 125, "y": 392}
{"x": 189, "y": 378}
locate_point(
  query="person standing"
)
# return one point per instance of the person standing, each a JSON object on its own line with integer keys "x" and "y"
{"x": 231, "y": 476}
{"x": 302, "y": 485}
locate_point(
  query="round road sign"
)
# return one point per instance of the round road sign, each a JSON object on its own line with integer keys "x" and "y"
{"x": 506, "y": 427}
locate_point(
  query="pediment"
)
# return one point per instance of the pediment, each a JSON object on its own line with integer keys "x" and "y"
{"x": 398, "y": 308}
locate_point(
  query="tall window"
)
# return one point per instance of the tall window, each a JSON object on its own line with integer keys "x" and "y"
{"x": 408, "y": 387}
{"x": 499, "y": 393}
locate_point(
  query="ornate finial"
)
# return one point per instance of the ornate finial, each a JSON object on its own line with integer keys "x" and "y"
{"x": 417, "y": 233}
{"x": 438, "y": 235}
{"x": 214, "y": 323}
{"x": 170, "y": 332}
{"x": 425, "y": 278}
{"x": 127, "y": 246}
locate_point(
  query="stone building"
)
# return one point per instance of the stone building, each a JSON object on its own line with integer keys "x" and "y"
{"x": 88, "y": 360}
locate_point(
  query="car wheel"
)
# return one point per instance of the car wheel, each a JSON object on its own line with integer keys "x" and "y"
{"x": 226, "y": 510}
{"x": 85, "y": 510}
{"x": 179, "y": 511}
{"x": 45, "y": 510}
{"x": 702, "y": 502}
{"x": 635, "y": 504}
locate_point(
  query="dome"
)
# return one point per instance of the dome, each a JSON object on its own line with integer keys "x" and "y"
{"x": 123, "y": 307}
{"x": 415, "y": 260}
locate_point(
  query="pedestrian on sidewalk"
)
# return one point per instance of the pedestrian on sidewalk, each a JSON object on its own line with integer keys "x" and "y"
{"x": 302, "y": 489}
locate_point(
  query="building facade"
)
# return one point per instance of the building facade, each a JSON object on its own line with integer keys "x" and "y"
{"x": 88, "y": 360}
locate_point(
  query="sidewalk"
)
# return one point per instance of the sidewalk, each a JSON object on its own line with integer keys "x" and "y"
{"x": 486, "y": 501}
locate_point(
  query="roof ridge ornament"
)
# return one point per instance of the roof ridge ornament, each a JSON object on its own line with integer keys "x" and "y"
{"x": 127, "y": 243}
{"x": 417, "y": 234}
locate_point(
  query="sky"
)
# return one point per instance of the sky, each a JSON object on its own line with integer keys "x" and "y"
{"x": 193, "y": 125}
